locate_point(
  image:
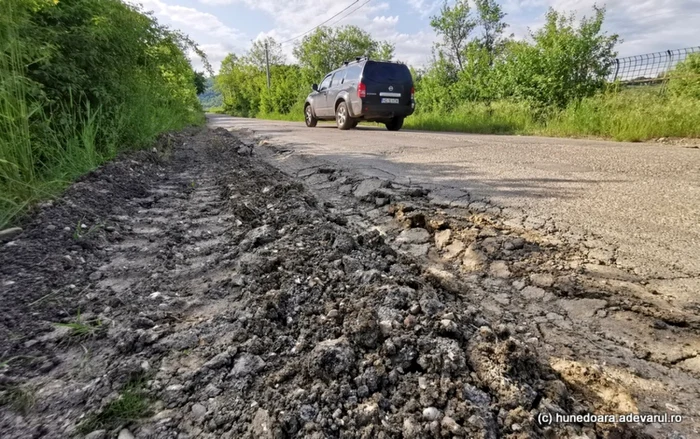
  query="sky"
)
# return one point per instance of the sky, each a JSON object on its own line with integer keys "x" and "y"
{"x": 230, "y": 26}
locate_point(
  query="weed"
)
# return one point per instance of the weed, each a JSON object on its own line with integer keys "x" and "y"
{"x": 82, "y": 329}
{"x": 78, "y": 233}
{"x": 131, "y": 405}
{"x": 19, "y": 398}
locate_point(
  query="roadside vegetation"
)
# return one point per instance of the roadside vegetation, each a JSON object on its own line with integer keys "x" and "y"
{"x": 482, "y": 80}
{"x": 81, "y": 80}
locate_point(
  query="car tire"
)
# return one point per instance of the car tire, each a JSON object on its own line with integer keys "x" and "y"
{"x": 354, "y": 123}
{"x": 309, "y": 118}
{"x": 394, "y": 124}
{"x": 342, "y": 117}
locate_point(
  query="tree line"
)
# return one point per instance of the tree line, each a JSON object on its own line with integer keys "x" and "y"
{"x": 474, "y": 60}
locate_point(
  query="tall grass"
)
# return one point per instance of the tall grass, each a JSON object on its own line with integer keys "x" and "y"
{"x": 627, "y": 115}
{"x": 54, "y": 130}
{"x": 17, "y": 160}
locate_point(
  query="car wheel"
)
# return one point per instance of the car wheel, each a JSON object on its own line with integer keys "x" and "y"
{"x": 342, "y": 117}
{"x": 394, "y": 124}
{"x": 354, "y": 123}
{"x": 311, "y": 121}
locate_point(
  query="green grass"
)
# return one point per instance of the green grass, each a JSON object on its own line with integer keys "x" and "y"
{"x": 498, "y": 118}
{"x": 19, "y": 398}
{"x": 291, "y": 117}
{"x": 82, "y": 328}
{"x": 631, "y": 114}
{"x": 131, "y": 405}
{"x": 46, "y": 144}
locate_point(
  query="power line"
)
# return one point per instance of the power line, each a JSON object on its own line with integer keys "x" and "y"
{"x": 350, "y": 13}
{"x": 313, "y": 29}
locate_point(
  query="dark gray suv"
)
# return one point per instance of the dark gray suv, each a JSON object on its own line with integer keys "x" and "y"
{"x": 373, "y": 91}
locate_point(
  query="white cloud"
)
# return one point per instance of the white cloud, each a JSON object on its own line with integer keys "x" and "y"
{"x": 391, "y": 20}
{"x": 425, "y": 8}
{"x": 202, "y": 26}
{"x": 644, "y": 26}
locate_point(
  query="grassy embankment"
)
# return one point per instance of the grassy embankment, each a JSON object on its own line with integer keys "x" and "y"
{"x": 634, "y": 114}
{"x": 80, "y": 82}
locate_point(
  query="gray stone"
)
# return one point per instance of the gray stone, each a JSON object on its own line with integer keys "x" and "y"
{"x": 453, "y": 250}
{"x": 125, "y": 434}
{"x": 331, "y": 358}
{"x": 476, "y": 396}
{"x": 431, "y": 413}
{"x": 442, "y": 237}
{"x": 198, "y": 411}
{"x": 367, "y": 413}
{"x": 499, "y": 269}
{"x": 7, "y": 234}
{"x": 368, "y": 187}
{"x": 543, "y": 280}
{"x": 473, "y": 259}
{"x": 533, "y": 293}
{"x": 417, "y": 250}
{"x": 247, "y": 364}
{"x": 413, "y": 236}
{"x": 450, "y": 424}
{"x": 514, "y": 244}
{"x": 97, "y": 434}
{"x": 410, "y": 429}
{"x": 261, "y": 427}
{"x": 261, "y": 235}
{"x": 307, "y": 412}
{"x": 490, "y": 245}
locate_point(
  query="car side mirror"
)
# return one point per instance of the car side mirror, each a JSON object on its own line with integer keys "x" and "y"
{"x": 314, "y": 87}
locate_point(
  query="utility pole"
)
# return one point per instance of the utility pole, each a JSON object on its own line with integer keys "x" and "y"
{"x": 267, "y": 64}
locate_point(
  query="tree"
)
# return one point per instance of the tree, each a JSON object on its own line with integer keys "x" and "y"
{"x": 200, "y": 82}
{"x": 490, "y": 18}
{"x": 454, "y": 24}
{"x": 256, "y": 54}
{"x": 566, "y": 62}
{"x": 327, "y": 48}
{"x": 385, "y": 51}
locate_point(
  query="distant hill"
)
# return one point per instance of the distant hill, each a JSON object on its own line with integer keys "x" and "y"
{"x": 211, "y": 98}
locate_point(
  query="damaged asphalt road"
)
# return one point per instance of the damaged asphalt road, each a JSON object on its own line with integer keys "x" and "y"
{"x": 199, "y": 291}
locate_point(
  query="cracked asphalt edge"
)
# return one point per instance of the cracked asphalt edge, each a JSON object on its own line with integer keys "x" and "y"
{"x": 606, "y": 316}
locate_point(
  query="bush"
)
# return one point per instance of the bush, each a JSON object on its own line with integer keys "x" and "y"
{"x": 80, "y": 80}
{"x": 684, "y": 80}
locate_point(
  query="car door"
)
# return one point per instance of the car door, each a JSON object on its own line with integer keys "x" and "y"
{"x": 335, "y": 88}
{"x": 321, "y": 107}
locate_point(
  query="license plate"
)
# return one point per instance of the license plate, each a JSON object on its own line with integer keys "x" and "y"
{"x": 390, "y": 100}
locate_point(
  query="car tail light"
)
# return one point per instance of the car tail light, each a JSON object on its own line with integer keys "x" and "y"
{"x": 362, "y": 90}
{"x": 413, "y": 93}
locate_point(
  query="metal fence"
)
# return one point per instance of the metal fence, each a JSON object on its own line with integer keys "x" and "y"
{"x": 649, "y": 68}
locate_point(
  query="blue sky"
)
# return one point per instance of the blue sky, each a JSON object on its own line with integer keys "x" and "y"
{"x": 224, "y": 26}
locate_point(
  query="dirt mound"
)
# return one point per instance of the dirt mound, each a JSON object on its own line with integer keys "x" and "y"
{"x": 208, "y": 295}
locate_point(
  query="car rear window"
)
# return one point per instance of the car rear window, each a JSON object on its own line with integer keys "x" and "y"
{"x": 379, "y": 71}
